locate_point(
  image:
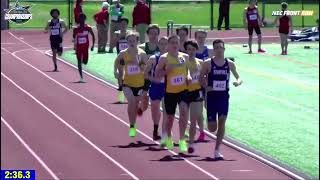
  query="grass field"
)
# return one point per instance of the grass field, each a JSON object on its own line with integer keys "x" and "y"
{"x": 197, "y": 14}
{"x": 275, "y": 111}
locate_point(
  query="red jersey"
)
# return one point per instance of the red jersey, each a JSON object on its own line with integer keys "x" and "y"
{"x": 284, "y": 24}
{"x": 77, "y": 11}
{"x": 82, "y": 36}
{"x": 101, "y": 16}
{"x": 252, "y": 16}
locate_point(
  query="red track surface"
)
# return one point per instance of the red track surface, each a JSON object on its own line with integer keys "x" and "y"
{"x": 79, "y": 133}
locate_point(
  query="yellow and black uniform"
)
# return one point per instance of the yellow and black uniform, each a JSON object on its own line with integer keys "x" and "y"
{"x": 176, "y": 83}
{"x": 195, "y": 93}
{"x": 133, "y": 74}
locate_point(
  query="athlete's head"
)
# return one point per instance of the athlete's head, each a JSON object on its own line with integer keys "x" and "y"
{"x": 284, "y": 6}
{"x": 191, "y": 46}
{"x": 173, "y": 43}
{"x": 105, "y": 5}
{"x": 132, "y": 38}
{"x": 153, "y": 32}
{"x": 200, "y": 36}
{"x": 162, "y": 44}
{"x": 218, "y": 47}
{"x": 252, "y": 2}
{"x": 55, "y": 13}
{"x": 124, "y": 24}
{"x": 82, "y": 18}
{"x": 182, "y": 32}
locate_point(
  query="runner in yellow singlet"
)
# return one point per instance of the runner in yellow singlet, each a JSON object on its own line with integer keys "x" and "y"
{"x": 129, "y": 71}
{"x": 173, "y": 67}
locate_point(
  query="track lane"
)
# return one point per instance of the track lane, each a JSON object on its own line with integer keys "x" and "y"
{"x": 85, "y": 88}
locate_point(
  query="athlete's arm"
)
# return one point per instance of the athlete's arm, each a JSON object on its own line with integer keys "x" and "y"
{"x": 63, "y": 24}
{"x": 204, "y": 72}
{"x": 93, "y": 38}
{"x": 245, "y": 23}
{"x": 276, "y": 20}
{"x": 290, "y": 24}
{"x": 160, "y": 69}
{"x": 233, "y": 69}
{"x": 259, "y": 19}
{"x": 46, "y": 28}
{"x": 117, "y": 65}
{"x": 148, "y": 67}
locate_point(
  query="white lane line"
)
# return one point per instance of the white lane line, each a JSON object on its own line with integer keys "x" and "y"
{"x": 70, "y": 127}
{"x": 111, "y": 114}
{"x": 43, "y": 164}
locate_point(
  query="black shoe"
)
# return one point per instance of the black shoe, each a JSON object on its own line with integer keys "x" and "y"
{"x": 219, "y": 29}
{"x": 156, "y": 137}
{"x": 228, "y": 29}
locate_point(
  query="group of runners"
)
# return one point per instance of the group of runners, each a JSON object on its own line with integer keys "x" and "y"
{"x": 169, "y": 72}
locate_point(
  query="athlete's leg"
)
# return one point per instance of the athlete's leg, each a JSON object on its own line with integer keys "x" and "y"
{"x": 193, "y": 120}
{"x": 183, "y": 118}
{"x": 285, "y": 37}
{"x": 54, "y": 59}
{"x": 221, "y": 129}
{"x": 250, "y": 30}
{"x": 282, "y": 43}
{"x": 79, "y": 58}
{"x": 132, "y": 105}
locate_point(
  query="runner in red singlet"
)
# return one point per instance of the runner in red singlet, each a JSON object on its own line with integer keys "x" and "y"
{"x": 252, "y": 20}
{"x": 285, "y": 24}
{"x": 81, "y": 36}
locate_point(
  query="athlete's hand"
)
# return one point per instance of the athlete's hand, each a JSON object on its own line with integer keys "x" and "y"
{"x": 92, "y": 48}
{"x": 237, "y": 83}
{"x": 261, "y": 24}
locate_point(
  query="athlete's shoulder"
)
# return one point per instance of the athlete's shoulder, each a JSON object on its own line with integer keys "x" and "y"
{"x": 141, "y": 51}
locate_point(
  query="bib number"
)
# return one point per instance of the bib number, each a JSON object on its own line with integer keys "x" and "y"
{"x": 219, "y": 85}
{"x": 195, "y": 78}
{"x": 82, "y": 40}
{"x": 55, "y": 32}
{"x": 123, "y": 46}
{"x": 177, "y": 80}
{"x": 253, "y": 17}
{"x": 133, "y": 70}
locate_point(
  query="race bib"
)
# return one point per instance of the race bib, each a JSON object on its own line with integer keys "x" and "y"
{"x": 253, "y": 17}
{"x": 55, "y": 32}
{"x": 82, "y": 40}
{"x": 133, "y": 69}
{"x": 123, "y": 46}
{"x": 219, "y": 85}
{"x": 177, "y": 80}
{"x": 195, "y": 78}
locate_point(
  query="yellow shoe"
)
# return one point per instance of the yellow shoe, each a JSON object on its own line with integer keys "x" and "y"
{"x": 183, "y": 146}
{"x": 169, "y": 143}
{"x": 132, "y": 132}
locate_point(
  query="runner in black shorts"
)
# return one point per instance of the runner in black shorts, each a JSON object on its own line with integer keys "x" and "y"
{"x": 55, "y": 26}
{"x": 214, "y": 76}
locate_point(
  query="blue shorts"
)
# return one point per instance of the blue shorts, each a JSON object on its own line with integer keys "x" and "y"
{"x": 217, "y": 104}
{"x": 156, "y": 91}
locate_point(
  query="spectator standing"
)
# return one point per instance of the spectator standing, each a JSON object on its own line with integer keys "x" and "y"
{"x": 116, "y": 12}
{"x": 141, "y": 19}
{"x": 102, "y": 21}
{"x": 224, "y": 8}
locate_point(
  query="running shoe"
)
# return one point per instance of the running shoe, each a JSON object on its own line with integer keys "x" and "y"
{"x": 183, "y": 146}
{"x": 169, "y": 143}
{"x": 201, "y": 136}
{"x": 218, "y": 155}
{"x": 250, "y": 52}
{"x": 156, "y": 137}
{"x": 163, "y": 142}
{"x": 132, "y": 132}
{"x": 190, "y": 149}
{"x": 261, "y": 51}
